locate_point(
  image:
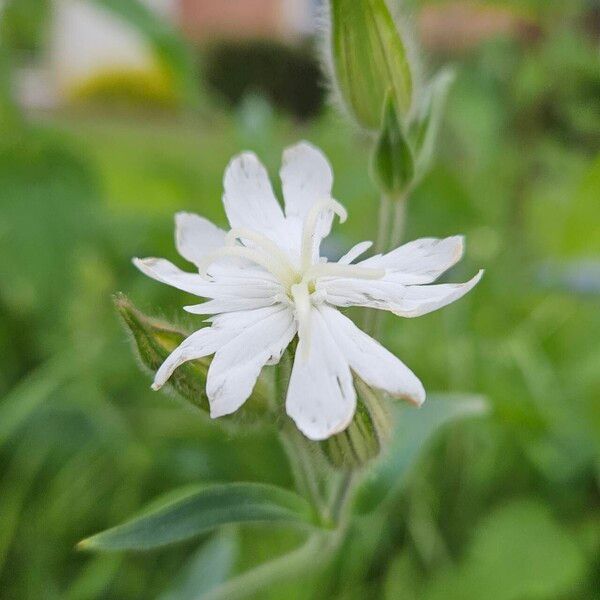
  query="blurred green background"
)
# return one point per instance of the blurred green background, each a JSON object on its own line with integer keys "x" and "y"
{"x": 502, "y": 507}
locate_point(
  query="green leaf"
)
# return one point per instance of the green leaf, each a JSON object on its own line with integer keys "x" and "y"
{"x": 392, "y": 165}
{"x": 203, "y": 510}
{"x": 209, "y": 568}
{"x": 413, "y": 430}
{"x": 168, "y": 44}
{"x": 519, "y": 551}
{"x": 369, "y": 59}
{"x": 154, "y": 341}
{"x": 426, "y": 127}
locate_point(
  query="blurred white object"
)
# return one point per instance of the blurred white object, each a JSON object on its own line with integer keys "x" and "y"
{"x": 35, "y": 89}
{"x": 87, "y": 41}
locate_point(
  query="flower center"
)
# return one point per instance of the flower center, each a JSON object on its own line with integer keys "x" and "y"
{"x": 299, "y": 283}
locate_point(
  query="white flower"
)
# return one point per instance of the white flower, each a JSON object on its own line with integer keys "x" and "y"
{"x": 266, "y": 282}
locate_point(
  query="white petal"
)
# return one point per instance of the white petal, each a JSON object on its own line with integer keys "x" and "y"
{"x": 373, "y": 363}
{"x": 196, "y": 236}
{"x": 306, "y": 177}
{"x": 198, "y": 345}
{"x": 355, "y": 252}
{"x": 249, "y": 199}
{"x": 420, "y": 261}
{"x": 321, "y": 398}
{"x": 385, "y": 294}
{"x": 229, "y": 304}
{"x": 204, "y": 342}
{"x": 166, "y": 272}
{"x": 236, "y": 366}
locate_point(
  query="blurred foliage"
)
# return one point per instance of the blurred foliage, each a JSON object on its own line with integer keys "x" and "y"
{"x": 492, "y": 503}
{"x": 23, "y": 24}
{"x": 288, "y": 77}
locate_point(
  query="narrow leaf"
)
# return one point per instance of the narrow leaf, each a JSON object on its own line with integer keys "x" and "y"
{"x": 203, "y": 510}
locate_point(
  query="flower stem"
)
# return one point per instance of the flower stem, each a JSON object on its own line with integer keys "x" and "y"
{"x": 303, "y": 468}
{"x": 390, "y": 231}
{"x": 295, "y": 445}
{"x": 341, "y": 498}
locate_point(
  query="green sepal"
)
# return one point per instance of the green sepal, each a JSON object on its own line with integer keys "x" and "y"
{"x": 392, "y": 166}
{"x": 154, "y": 340}
{"x": 366, "y": 436}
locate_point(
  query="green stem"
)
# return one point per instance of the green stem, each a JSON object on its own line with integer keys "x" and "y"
{"x": 311, "y": 557}
{"x": 341, "y": 499}
{"x": 303, "y": 468}
{"x": 295, "y": 445}
{"x": 390, "y": 232}
{"x": 383, "y": 228}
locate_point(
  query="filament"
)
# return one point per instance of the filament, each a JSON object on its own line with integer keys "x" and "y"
{"x": 281, "y": 273}
{"x": 263, "y": 242}
{"x": 310, "y": 226}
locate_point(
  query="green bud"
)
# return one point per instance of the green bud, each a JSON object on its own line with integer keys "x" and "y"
{"x": 154, "y": 340}
{"x": 392, "y": 166}
{"x": 369, "y": 58}
{"x": 365, "y": 437}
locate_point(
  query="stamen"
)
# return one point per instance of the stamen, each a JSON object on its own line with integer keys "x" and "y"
{"x": 310, "y": 226}
{"x": 285, "y": 276}
{"x": 301, "y": 299}
{"x": 338, "y": 270}
{"x": 262, "y": 241}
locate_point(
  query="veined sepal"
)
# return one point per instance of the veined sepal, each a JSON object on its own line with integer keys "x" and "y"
{"x": 365, "y": 437}
{"x": 155, "y": 339}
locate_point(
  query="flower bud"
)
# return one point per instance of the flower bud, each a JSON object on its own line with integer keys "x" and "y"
{"x": 392, "y": 165}
{"x": 369, "y": 57}
{"x": 364, "y": 438}
{"x": 154, "y": 340}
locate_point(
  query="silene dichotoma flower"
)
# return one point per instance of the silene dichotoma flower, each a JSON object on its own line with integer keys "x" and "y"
{"x": 265, "y": 282}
